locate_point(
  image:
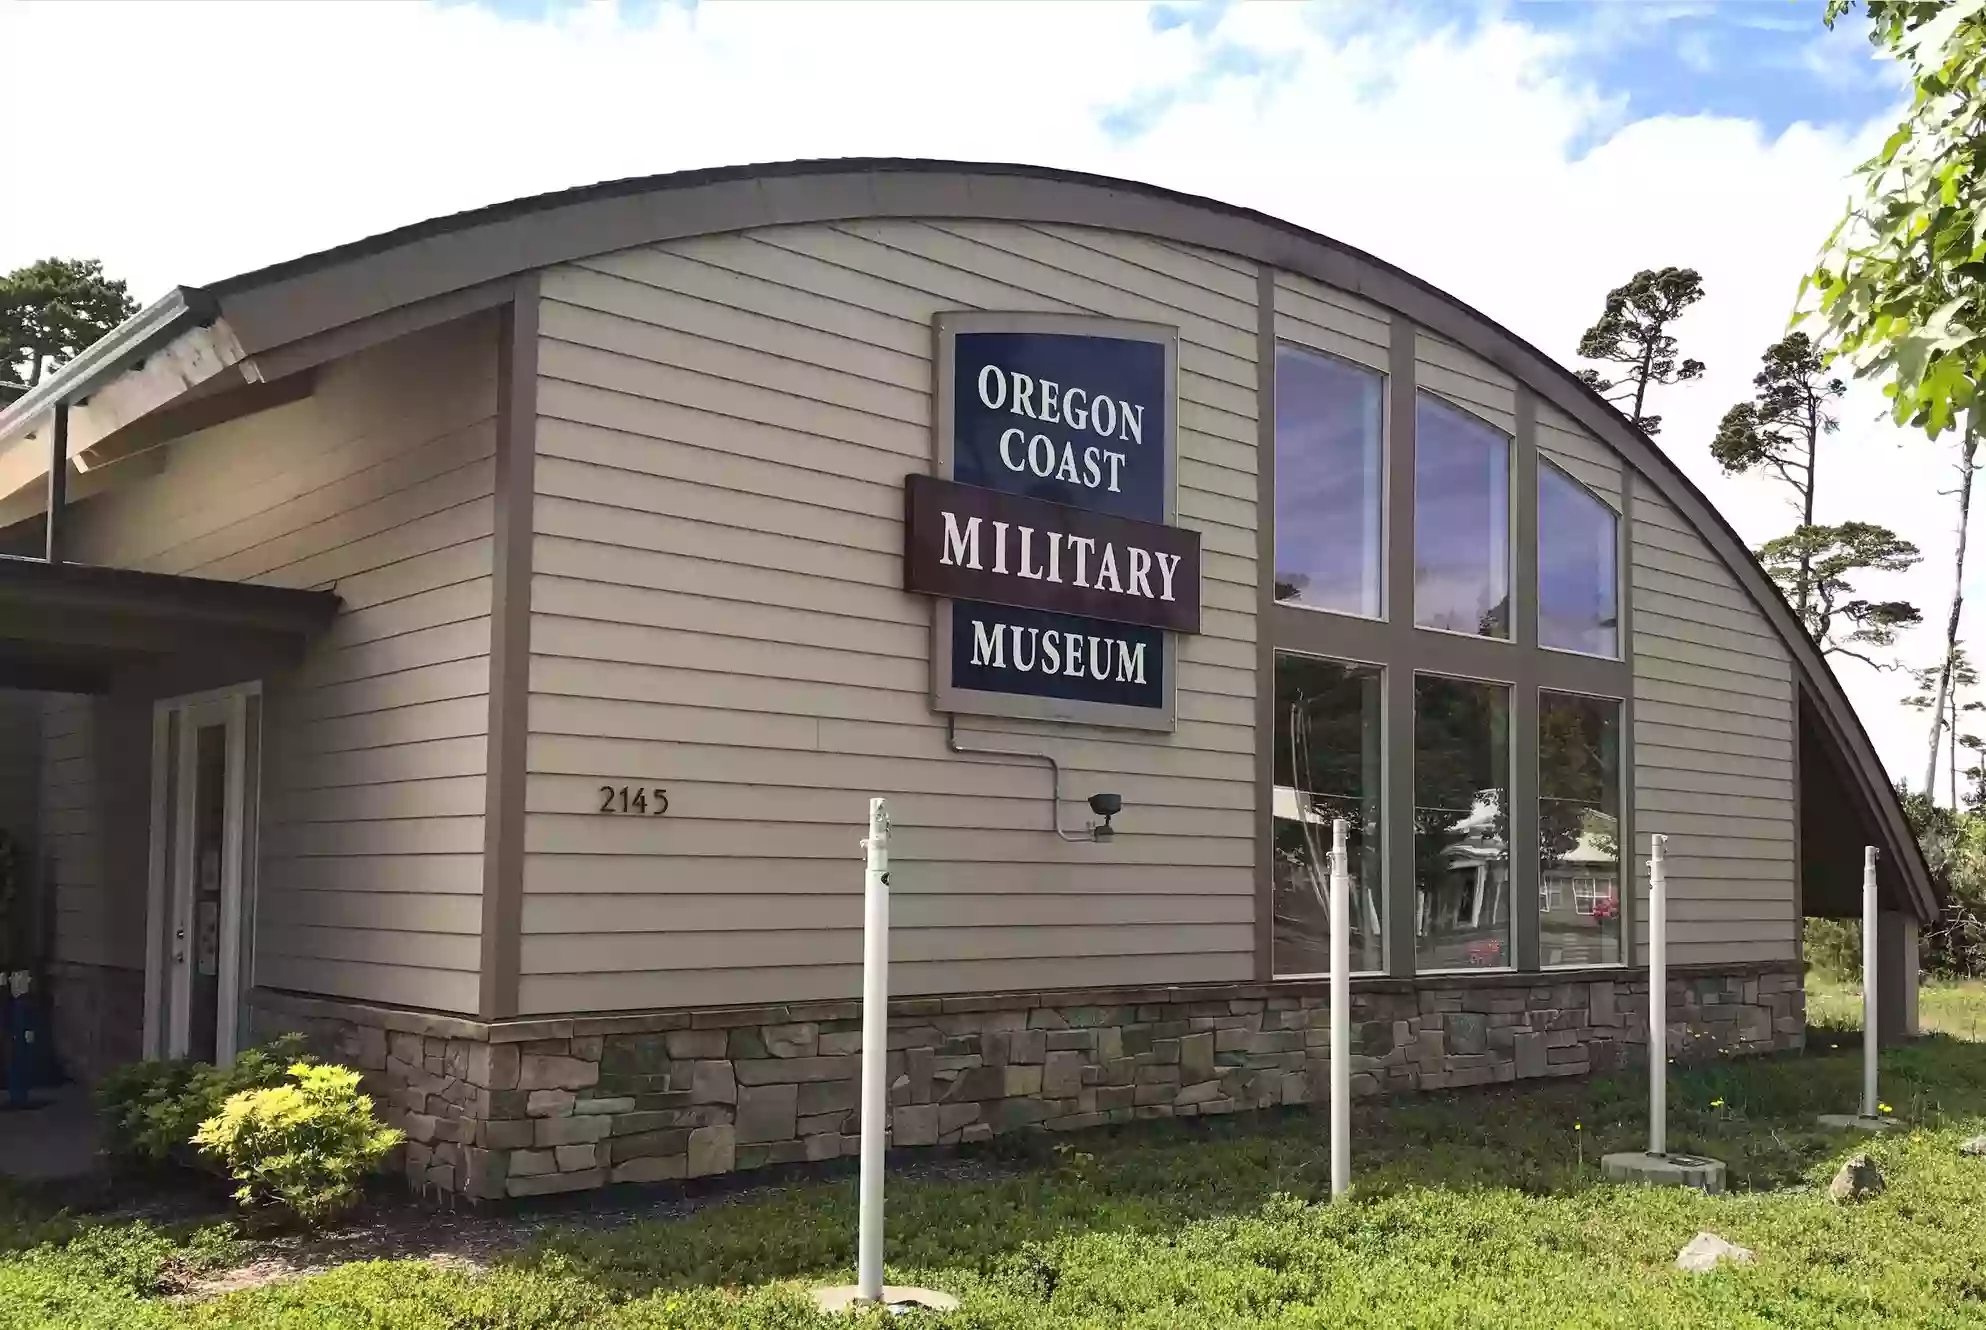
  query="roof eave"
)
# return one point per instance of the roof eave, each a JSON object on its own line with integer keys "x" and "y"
{"x": 110, "y": 355}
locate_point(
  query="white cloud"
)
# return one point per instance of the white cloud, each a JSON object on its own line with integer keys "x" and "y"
{"x": 218, "y": 138}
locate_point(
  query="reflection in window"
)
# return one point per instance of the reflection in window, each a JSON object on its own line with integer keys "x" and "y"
{"x": 1577, "y": 582}
{"x": 1327, "y": 766}
{"x": 1461, "y": 824}
{"x": 1329, "y": 477}
{"x": 1579, "y": 874}
{"x": 1461, "y": 522}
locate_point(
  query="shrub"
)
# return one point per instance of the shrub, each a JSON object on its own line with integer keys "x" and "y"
{"x": 151, "y": 1109}
{"x": 302, "y": 1147}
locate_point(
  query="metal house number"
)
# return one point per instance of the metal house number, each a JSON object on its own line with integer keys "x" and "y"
{"x": 640, "y": 800}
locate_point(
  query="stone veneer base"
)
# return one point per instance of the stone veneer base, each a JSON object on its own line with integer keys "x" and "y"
{"x": 533, "y": 1106}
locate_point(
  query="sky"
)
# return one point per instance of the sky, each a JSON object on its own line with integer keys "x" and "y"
{"x": 1525, "y": 156}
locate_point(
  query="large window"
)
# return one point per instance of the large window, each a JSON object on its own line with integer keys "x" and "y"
{"x": 1579, "y": 871}
{"x": 1482, "y": 584}
{"x": 1461, "y": 522}
{"x": 1328, "y": 738}
{"x": 1461, "y": 823}
{"x": 1578, "y": 582}
{"x": 1329, "y": 478}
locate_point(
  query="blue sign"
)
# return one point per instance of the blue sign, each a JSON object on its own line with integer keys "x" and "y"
{"x": 1075, "y": 420}
{"x": 1082, "y": 419}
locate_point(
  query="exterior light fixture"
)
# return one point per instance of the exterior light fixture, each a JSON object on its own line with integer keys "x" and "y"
{"x": 1105, "y": 806}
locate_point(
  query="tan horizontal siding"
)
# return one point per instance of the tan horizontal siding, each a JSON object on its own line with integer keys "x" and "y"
{"x": 1713, "y": 745}
{"x": 571, "y": 913}
{"x": 20, "y": 778}
{"x": 725, "y": 424}
{"x": 71, "y": 826}
{"x": 1600, "y": 478}
{"x": 655, "y": 987}
{"x": 1569, "y": 443}
{"x": 377, "y": 486}
{"x": 1466, "y": 379}
{"x": 1313, "y": 315}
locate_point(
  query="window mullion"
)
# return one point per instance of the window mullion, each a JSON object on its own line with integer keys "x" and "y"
{"x": 1523, "y": 820}
{"x": 1398, "y": 809}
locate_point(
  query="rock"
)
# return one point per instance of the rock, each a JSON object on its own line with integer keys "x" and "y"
{"x": 915, "y": 1124}
{"x": 1858, "y": 1180}
{"x": 695, "y": 1043}
{"x": 549, "y": 1071}
{"x": 1530, "y": 1052}
{"x": 1467, "y": 1034}
{"x": 1062, "y": 1074}
{"x": 712, "y": 1150}
{"x": 618, "y": 1104}
{"x": 1975, "y": 1147}
{"x": 766, "y": 1112}
{"x": 798, "y": 1040}
{"x": 1204, "y": 1092}
{"x": 549, "y": 1103}
{"x": 650, "y": 1169}
{"x": 1706, "y": 1251}
{"x": 713, "y": 1083}
{"x": 509, "y": 1134}
{"x": 651, "y": 1144}
{"x": 486, "y": 1172}
{"x": 1196, "y": 1056}
{"x": 526, "y": 1163}
{"x": 571, "y": 1131}
{"x": 545, "y": 1183}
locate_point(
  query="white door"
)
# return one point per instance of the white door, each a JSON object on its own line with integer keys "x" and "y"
{"x": 203, "y": 786}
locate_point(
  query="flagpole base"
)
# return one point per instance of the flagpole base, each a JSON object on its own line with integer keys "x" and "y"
{"x": 1664, "y": 1170}
{"x": 896, "y": 1298}
{"x": 1856, "y": 1122}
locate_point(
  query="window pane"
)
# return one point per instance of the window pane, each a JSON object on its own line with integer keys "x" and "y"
{"x": 1461, "y": 522}
{"x": 1579, "y": 876}
{"x": 1329, "y": 477}
{"x": 1576, "y": 571}
{"x": 1461, "y": 823}
{"x": 1327, "y": 766}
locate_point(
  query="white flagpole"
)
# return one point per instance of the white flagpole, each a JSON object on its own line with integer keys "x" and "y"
{"x": 875, "y": 1049}
{"x": 1341, "y": 1013}
{"x": 1658, "y": 997}
{"x": 1870, "y": 1104}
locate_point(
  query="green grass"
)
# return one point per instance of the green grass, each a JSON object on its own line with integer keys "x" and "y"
{"x": 1478, "y": 1209}
{"x": 1944, "y": 1006}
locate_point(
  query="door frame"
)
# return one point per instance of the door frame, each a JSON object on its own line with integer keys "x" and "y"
{"x": 169, "y": 883}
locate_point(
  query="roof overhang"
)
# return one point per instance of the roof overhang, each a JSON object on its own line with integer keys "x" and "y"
{"x": 68, "y": 627}
{"x": 304, "y": 310}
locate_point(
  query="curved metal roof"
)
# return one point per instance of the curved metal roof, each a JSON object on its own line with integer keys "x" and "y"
{"x": 447, "y": 260}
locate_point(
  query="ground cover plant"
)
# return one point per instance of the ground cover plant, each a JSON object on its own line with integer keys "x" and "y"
{"x": 1473, "y": 1209}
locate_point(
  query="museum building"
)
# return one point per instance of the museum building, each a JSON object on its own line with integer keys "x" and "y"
{"x": 476, "y": 647}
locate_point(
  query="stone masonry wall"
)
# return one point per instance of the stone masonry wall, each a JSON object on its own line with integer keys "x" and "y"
{"x": 524, "y": 1108}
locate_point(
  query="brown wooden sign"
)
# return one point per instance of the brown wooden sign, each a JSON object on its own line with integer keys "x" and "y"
{"x": 972, "y": 543}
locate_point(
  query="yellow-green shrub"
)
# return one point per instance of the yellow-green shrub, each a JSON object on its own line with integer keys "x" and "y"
{"x": 304, "y": 1146}
{"x": 151, "y": 1109}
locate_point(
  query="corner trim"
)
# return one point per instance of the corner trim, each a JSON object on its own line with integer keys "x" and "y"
{"x": 510, "y": 651}
{"x": 1265, "y": 613}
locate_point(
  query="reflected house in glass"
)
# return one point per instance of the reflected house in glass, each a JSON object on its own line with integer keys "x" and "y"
{"x": 1463, "y": 909}
{"x": 487, "y": 636}
{"x": 1579, "y": 902}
